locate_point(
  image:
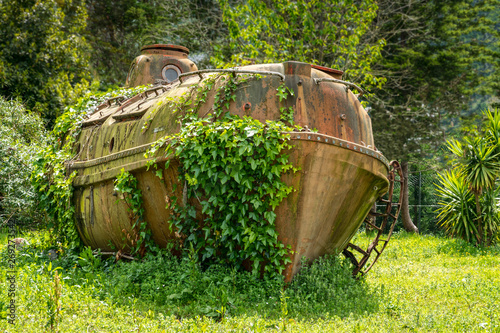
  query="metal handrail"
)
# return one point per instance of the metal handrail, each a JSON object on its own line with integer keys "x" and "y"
{"x": 118, "y": 99}
{"x": 233, "y": 71}
{"x": 349, "y": 84}
{"x": 145, "y": 93}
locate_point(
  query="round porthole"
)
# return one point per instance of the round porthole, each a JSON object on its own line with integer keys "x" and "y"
{"x": 170, "y": 73}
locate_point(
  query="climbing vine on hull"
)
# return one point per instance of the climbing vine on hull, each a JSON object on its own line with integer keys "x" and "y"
{"x": 50, "y": 179}
{"x": 141, "y": 239}
{"x": 231, "y": 168}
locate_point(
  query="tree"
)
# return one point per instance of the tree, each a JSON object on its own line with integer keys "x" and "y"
{"x": 42, "y": 53}
{"x": 195, "y": 24}
{"x": 114, "y": 31}
{"x": 117, "y": 29}
{"x": 438, "y": 55}
{"x": 318, "y": 32}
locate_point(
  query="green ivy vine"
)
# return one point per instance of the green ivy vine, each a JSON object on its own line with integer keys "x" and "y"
{"x": 49, "y": 177}
{"x": 232, "y": 167}
{"x": 286, "y": 113}
{"x": 142, "y": 240}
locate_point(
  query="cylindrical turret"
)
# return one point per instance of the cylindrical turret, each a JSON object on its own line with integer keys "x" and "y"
{"x": 159, "y": 62}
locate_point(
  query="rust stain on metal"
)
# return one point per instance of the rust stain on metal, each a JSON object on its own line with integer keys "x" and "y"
{"x": 335, "y": 73}
{"x": 341, "y": 174}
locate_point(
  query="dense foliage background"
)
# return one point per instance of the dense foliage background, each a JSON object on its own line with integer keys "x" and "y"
{"x": 21, "y": 135}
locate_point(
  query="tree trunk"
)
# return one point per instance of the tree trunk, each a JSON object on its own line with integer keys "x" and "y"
{"x": 405, "y": 209}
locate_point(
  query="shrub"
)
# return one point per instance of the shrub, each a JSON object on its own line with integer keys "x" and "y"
{"x": 457, "y": 211}
{"x": 469, "y": 193}
{"x": 181, "y": 287}
{"x": 21, "y": 135}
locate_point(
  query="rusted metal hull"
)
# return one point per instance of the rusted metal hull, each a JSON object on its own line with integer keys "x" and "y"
{"x": 336, "y": 188}
{"x": 341, "y": 173}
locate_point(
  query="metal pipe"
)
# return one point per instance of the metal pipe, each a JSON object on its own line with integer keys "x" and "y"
{"x": 229, "y": 70}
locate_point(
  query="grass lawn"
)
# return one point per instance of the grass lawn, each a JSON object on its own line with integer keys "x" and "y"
{"x": 420, "y": 284}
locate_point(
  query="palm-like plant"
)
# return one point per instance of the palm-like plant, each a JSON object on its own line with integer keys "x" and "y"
{"x": 478, "y": 166}
{"x": 492, "y": 128}
{"x": 456, "y": 211}
{"x": 478, "y": 163}
{"x": 491, "y": 215}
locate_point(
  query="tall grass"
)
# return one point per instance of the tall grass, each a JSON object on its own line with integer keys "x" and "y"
{"x": 421, "y": 284}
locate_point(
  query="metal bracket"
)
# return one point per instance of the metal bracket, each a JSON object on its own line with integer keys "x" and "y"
{"x": 347, "y": 84}
{"x": 145, "y": 93}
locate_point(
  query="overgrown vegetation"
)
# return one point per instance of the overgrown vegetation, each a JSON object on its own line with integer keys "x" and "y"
{"x": 21, "y": 134}
{"x": 43, "y": 56}
{"x": 232, "y": 168}
{"x": 49, "y": 178}
{"x": 421, "y": 284}
{"x": 141, "y": 240}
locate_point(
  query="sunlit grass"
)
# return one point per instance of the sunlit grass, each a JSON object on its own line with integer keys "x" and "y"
{"x": 420, "y": 284}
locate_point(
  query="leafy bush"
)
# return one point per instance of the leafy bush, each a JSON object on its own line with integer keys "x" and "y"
{"x": 21, "y": 135}
{"x": 233, "y": 167}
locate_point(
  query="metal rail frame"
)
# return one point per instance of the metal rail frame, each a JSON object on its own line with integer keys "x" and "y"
{"x": 395, "y": 175}
{"x": 232, "y": 71}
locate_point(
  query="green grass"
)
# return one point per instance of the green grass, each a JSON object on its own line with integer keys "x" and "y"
{"x": 420, "y": 284}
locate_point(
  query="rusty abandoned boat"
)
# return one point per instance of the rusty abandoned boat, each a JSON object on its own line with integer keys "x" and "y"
{"x": 341, "y": 174}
